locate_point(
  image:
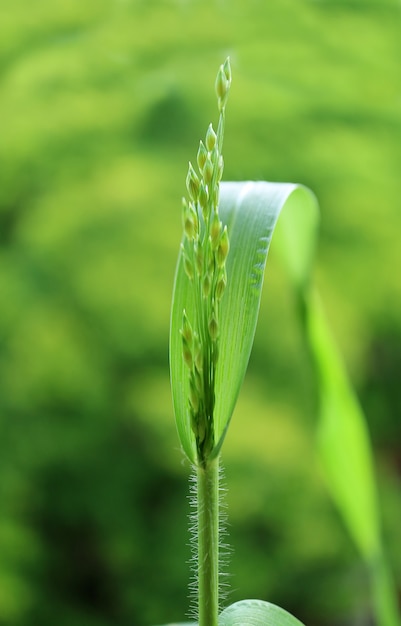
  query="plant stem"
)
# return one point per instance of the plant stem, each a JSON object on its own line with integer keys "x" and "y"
{"x": 208, "y": 542}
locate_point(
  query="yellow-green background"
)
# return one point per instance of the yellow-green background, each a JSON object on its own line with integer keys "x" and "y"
{"x": 102, "y": 103}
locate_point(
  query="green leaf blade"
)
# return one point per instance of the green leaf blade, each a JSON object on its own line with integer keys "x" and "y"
{"x": 343, "y": 442}
{"x": 250, "y": 210}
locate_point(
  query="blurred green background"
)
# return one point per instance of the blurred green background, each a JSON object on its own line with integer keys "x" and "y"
{"x": 102, "y": 103}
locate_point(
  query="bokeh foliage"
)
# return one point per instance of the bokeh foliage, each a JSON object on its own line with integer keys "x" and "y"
{"x": 102, "y": 104}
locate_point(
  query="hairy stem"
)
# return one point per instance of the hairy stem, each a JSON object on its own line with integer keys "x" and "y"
{"x": 208, "y": 542}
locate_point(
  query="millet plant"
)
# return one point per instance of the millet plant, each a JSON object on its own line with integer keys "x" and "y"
{"x": 228, "y": 228}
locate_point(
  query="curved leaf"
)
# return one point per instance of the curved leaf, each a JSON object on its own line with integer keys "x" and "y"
{"x": 250, "y": 210}
{"x": 256, "y": 613}
{"x": 343, "y": 441}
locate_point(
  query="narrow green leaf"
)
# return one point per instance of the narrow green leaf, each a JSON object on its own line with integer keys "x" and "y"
{"x": 346, "y": 454}
{"x": 343, "y": 441}
{"x": 256, "y": 613}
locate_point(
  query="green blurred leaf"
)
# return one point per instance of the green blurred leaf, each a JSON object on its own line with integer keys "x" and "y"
{"x": 256, "y": 613}
{"x": 346, "y": 454}
{"x": 343, "y": 441}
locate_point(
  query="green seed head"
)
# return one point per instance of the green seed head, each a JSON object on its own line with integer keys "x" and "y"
{"x": 222, "y": 87}
{"x": 213, "y": 328}
{"x": 190, "y": 223}
{"x": 208, "y": 171}
{"x": 211, "y": 138}
{"x": 187, "y": 353}
{"x": 201, "y": 156}
{"x": 206, "y": 286}
{"x": 203, "y": 196}
{"x": 223, "y": 82}
{"x": 214, "y": 156}
{"x": 192, "y": 183}
{"x": 189, "y": 270}
{"x": 204, "y": 252}
{"x": 221, "y": 285}
{"x": 186, "y": 331}
{"x": 215, "y": 231}
{"x": 223, "y": 248}
{"x": 227, "y": 69}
